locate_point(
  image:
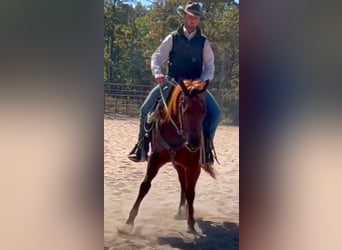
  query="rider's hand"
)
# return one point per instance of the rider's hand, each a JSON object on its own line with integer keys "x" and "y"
{"x": 160, "y": 79}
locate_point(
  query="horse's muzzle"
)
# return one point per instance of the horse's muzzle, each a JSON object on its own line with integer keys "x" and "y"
{"x": 191, "y": 147}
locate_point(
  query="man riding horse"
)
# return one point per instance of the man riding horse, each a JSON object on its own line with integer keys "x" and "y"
{"x": 189, "y": 56}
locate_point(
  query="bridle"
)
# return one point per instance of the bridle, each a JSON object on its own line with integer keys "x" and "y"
{"x": 179, "y": 129}
{"x": 180, "y": 109}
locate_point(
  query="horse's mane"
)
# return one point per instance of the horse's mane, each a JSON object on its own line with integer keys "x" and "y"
{"x": 192, "y": 87}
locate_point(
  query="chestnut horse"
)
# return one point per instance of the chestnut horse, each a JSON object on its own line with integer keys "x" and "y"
{"x": 177, "y": 137}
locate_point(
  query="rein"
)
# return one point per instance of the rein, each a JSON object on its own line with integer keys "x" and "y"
{"x": 179, "y": 130}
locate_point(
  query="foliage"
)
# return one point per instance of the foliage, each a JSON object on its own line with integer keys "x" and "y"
{"x": 132, "y": 32}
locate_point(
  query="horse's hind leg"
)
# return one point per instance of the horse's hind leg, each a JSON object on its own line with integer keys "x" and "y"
{"x": 153, "y": 166}
{"x": 182, "y": 181}
{"x": 192, "y": 175}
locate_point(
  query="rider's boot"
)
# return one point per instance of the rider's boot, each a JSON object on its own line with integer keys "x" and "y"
{"x": 140, "y": 150}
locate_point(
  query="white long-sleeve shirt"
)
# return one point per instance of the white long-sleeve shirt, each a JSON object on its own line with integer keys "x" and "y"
{"x": 161, "y": 55}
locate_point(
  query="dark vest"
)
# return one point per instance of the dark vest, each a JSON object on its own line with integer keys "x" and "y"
{"x": 186, "y": 57}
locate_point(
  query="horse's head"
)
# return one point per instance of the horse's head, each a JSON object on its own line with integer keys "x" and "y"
{"x": 192, "y": 108}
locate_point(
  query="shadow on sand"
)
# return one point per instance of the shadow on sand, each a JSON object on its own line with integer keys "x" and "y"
{"x": 217, "y": 236}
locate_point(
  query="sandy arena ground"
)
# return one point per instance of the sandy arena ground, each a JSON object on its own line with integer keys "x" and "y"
{"x": 216, "y": 203}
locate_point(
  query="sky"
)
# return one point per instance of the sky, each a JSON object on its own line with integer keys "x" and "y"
{"x": 144, "y": 2}
{"x": 148, "y": 2}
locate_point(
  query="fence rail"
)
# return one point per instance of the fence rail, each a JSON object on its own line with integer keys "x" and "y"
{"x": 126, "y": 99}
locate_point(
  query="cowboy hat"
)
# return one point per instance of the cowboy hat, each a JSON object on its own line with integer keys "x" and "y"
{"x": 191, "y": 8}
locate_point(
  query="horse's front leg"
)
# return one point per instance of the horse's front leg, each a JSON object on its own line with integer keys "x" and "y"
{"x": 181, "y": 177}
{"x": 153, "y": 165}
{"x": 192, "y": 174}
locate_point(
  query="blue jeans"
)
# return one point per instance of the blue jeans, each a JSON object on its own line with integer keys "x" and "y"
{"x": 211, "y": 119}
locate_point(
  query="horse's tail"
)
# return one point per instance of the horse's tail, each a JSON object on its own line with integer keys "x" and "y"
{"x": 211, "y": 171}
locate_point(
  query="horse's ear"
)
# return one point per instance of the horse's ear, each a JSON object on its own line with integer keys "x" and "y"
{"x": 184, "y": 88}
{"x": 205, "y": 87}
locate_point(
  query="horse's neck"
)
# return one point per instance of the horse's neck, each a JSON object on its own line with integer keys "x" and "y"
{"x": 169, "y": 131}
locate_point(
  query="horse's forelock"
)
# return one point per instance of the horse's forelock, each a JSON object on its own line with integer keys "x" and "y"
{"x": 194, "y": 88}
{"x": 193, "y": 85}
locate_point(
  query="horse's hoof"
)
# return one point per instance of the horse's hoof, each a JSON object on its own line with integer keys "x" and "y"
{"x": 180, "y": 216}
{"x": 125, "y": 229}
{"x": 192, "y": 230}
{"x": 195, "y": 234}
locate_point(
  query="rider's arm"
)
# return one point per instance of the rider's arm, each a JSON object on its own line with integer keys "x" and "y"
{"x": 208, "y": 62}
{"x": 160, "y": 56}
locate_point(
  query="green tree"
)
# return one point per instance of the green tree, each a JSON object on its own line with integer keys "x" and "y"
{"x": 133, "y": 32}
